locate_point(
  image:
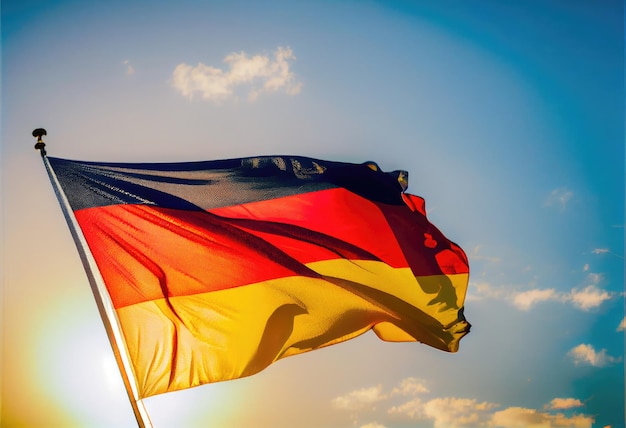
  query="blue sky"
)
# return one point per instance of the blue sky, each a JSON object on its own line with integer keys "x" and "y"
{"x": 508, "y": 116}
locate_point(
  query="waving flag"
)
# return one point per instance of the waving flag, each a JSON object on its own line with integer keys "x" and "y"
{"x": 217, "y": 269}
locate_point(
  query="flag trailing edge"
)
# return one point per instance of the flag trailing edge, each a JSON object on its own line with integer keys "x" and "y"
{"x": 217, "y": 269}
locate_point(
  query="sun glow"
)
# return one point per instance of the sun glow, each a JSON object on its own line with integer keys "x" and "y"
{"x": 76, "y": 374}
{"x": 73, "y": 363}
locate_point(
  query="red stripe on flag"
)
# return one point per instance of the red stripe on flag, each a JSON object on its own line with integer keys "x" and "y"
{"x": 146, "y": 253}
{"x": 335, "y": 213}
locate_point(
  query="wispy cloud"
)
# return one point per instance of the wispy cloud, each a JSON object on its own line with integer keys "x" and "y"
{"x": 410, "y": 386}
{"x": 564, "y": 403}
{"x": 593, "y": 278}
{"x": 622, "y": 325}
{"x": 605, "y": 251}
{"x": 360, "y": 398}
{"x": 586, "y": 354}
{"x": 258, "y": 73}
{"x": 476, "y": 255}
{"x": 585, "y": 298}
{"x": 414, "y": 409}
{"x": 559, "y": 197}
{"x": 130, "y": 70}
{"x": 457, "y": 412}
{"x": 484, "y": 290}
{"x": 588, "y": 298}
{"x": 526, "y": 299}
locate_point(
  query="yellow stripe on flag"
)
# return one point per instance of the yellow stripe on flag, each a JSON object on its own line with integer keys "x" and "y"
{"x": 186, "y": 341}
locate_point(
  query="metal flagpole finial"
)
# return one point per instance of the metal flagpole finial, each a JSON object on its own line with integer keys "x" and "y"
{"x": 38, "y": 134}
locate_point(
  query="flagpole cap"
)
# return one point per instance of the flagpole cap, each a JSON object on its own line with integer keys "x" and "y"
{"x": 38, "y": 134}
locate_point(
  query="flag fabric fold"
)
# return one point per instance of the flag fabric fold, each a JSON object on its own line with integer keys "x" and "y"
{"x": 217, "y": 269}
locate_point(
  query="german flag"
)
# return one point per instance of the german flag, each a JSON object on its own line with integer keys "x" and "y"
{"x": 217, "y": 269}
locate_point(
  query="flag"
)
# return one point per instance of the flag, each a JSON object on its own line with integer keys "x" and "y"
{"x": 217, "y": 269}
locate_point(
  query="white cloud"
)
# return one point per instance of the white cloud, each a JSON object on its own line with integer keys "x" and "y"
{"x": 586, "y": 267}
{"x": 367, "y": 397}
{"x": 586, "y": 354}
{"x": 360, "y": 398}
{"x": 457, "y": 412}
{"x": 564, "y": 403}
{"x": 622, "y": 325}
{"x": 413, "y": 409}
{"x": 259, "y": 73}
{"x": 410, "y": 386}
{"x": 526, "y": 299}
{"x": 520, "y": 417}
{"x": 559, "y": 197}
{"x": 453, "y": 412}
{"x": 130, "y": 70}
{"x": 589, "y": 297}
{"x": 584, "y": 299}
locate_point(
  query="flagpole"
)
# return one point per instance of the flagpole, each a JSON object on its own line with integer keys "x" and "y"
{"x": 105, "y": 306}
